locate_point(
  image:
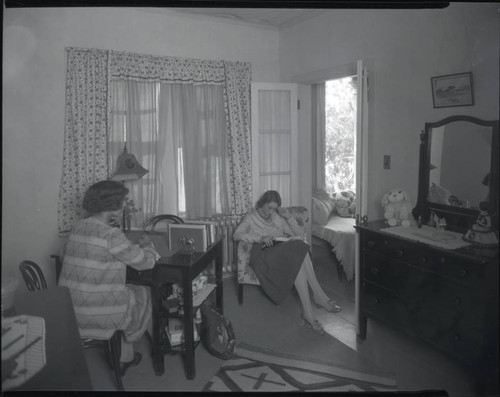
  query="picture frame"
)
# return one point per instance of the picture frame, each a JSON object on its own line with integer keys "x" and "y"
{"x": 452, "y": 90}
{"x": 177, "y": 231}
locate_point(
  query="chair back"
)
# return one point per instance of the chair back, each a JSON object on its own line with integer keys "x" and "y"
{"x": 32, "y": 275}
{"x": 151, "y": 223}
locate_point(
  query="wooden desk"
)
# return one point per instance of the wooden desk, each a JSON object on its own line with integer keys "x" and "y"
{"x": 179, "y": 269}
{"x": 66, "y": 367}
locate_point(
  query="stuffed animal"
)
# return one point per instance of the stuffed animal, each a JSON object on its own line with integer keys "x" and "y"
{"x": 397, "y": 208}
{"x": 345, "y": 203}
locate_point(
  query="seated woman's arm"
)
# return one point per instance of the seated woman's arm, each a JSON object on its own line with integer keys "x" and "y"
{"x": 131, "y": 254}
{"x": 289, "y": 224}
{"x": 244, "y": 232}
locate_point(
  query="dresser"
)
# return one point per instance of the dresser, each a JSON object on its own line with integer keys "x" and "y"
{"x": 447, "y": 298}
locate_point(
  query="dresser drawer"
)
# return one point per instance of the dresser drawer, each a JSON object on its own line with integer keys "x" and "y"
{"x": 464, "y": 341}
{"x": 396, "y": 276}
{"x": 390, "y": 247}
{"x": 420, "y": 289}
{"x": 381, "y": 303}
{"x": 437, "y": 261}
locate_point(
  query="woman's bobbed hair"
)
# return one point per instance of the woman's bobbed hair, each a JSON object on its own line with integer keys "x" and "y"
{"x": 271, "y": 196}
{"x": 104, "y": 196}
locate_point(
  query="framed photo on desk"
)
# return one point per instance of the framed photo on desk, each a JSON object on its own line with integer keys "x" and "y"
{"x": 178, "y": 233}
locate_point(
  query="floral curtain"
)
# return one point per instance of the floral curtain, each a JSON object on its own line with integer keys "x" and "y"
{"x": 237, "y": 99}
{"x": 95, "y": 82}
{"x": 85, "y": 158}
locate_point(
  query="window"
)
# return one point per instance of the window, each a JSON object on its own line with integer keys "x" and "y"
{"x": 340, "y": 134}
{"x": 178, "y": 133}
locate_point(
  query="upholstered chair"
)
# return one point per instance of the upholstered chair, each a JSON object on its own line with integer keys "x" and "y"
{"x": 246, "y": 274}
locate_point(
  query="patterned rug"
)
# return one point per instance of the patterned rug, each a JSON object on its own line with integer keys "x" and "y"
{"x": 257, "y": 369}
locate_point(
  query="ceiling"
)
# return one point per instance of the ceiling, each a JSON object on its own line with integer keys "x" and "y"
{"x": 271, "y": 17}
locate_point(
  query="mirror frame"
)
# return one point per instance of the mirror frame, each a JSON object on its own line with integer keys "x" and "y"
{"x": 457, "y": 218}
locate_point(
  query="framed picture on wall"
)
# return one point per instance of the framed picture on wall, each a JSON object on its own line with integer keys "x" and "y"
{"x": 452, "y": 90}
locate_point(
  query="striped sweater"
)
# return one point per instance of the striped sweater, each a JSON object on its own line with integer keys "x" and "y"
{"x": 94, "y": 270}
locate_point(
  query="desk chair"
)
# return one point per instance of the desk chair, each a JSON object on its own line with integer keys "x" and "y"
{"x": 111, "y": 346}
{"x": 32, "y": 275}
{"x": 152, "y": 222}
{"x": 246, "y": 275}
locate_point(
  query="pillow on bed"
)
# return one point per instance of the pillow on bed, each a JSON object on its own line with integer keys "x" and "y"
{"x": 345, "y": 203}
{"x": 322, "y": 207}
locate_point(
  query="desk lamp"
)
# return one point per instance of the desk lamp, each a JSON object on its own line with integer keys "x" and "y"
{"x": 127, "y": 169}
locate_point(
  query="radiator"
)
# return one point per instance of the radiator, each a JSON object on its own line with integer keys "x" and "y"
{"x": 225, "y": 226}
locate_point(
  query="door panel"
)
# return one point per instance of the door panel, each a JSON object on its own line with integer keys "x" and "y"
{"x": 275, "y": 141}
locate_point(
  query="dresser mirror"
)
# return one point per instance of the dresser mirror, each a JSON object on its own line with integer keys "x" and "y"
{"x": 458, "y": 170}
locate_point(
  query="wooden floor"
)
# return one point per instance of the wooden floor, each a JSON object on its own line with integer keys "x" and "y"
{"x": 258, "y": 321}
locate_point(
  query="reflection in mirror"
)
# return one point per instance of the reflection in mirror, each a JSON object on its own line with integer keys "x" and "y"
{"x": 460, "y": 162}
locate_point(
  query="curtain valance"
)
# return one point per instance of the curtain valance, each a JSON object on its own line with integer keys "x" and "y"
{"x": 132, "y": 66}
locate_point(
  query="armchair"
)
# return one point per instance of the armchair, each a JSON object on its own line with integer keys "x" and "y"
{"x": 246, "y": 274}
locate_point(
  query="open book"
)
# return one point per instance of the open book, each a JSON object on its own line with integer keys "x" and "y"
{"x": 284, "y": 239}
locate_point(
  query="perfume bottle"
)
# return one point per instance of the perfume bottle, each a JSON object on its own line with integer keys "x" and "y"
{"x": 432, "y": 221}
{"x": 419, "y": 221}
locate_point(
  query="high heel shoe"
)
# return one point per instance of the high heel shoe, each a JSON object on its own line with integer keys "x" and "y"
{"x": 316, "y": 326}
{"x": 330, "y": 306}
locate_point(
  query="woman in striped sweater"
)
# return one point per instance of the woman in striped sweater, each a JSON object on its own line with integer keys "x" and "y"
{"x": 94, "y": 269}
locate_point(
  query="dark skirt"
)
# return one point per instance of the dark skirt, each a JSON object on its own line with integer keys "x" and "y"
{"x": 277, "y": 267}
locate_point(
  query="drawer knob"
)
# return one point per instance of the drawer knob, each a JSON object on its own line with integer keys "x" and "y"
{"x": 457, "y": 301}
{"x": 399, "y": 253}
{"x": 374, "y": 271}
{"x": 370, "y": 243}
{"x": 462, "y": 272}
{"x": 424, "y": 259}
{"x": 376, "y": 300}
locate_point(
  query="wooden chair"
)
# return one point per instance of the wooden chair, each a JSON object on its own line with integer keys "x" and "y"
{"x": 111, "y": 347}
{"x": 32, "y": 275}
{"x": 152, "y": 222}
{"x": 246, "y": 274}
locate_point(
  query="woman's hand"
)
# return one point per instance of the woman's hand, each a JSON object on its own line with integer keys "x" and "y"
{"x": 267, "y": 240}
{"x": 284, "y": 212}
{"x": 145, "y": 241}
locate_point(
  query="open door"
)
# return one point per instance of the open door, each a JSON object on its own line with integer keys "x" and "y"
{"x": 361, "y": 170}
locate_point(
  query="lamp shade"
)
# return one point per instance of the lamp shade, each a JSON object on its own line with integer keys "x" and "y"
{"x": 128, "y": 168}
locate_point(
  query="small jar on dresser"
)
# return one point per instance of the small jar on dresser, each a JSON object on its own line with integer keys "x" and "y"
{"x": 445, "y": 297}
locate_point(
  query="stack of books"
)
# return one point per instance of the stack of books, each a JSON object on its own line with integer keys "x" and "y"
{"x": 203, "y": 233}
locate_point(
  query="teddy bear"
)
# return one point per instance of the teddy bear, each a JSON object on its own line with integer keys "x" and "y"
{"x": 345, "y": 203}
{"x": 397, "y": 207}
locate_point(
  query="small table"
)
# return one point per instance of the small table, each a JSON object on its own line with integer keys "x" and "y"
{"x": 179, "y": 269}
{"x": 66, "y": 367}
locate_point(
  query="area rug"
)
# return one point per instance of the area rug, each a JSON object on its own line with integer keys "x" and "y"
{"x": 257, "y": 369}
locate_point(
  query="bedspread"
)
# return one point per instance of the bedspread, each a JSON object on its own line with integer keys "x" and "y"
{"x": 340, "y": 233}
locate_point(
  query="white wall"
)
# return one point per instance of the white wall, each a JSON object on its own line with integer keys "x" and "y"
{"x": 408, "y": 47}
{"x": 33, "y": 99}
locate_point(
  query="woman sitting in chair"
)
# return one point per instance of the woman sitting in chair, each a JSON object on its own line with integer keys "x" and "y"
{"x": 94, "y": 269}
{"x": 279, "y": 265}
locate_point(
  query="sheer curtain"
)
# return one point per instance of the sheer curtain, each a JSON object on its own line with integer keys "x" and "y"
{"x": 178, "y": 133}
{"x": 194, "y": 116}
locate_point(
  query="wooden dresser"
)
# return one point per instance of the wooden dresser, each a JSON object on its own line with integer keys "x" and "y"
{"x": 448, "y": 298}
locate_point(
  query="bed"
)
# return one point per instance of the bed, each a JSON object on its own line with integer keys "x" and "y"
{"x": 339, "y": 232}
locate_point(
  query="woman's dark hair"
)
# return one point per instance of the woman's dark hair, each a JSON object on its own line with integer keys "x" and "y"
{"x": 104, "y": 196}
{"x": 271, "y": 196}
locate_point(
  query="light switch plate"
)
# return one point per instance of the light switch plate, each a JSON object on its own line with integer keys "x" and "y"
{"x": 387, "y": 162}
